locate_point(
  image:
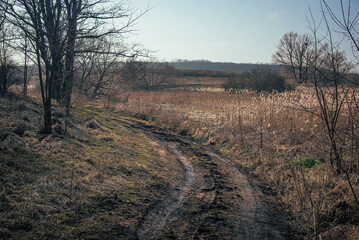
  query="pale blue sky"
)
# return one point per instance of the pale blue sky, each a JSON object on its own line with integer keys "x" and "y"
{"x": 221, "y": 30}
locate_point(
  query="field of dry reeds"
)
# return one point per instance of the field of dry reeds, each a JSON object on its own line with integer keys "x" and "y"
{"x": 280, "y": 138}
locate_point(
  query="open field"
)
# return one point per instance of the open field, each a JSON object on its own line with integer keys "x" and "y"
{"x": 278, "y": 138}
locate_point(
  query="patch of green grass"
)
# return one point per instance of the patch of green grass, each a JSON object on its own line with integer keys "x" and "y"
{"x": 306, "y": 163}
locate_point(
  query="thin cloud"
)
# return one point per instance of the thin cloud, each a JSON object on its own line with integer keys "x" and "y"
{"x": 276, "y": 16}
{"x": 217, "y": 45}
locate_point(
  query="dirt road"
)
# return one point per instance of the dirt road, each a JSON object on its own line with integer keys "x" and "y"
{"x": 216, "y": 199}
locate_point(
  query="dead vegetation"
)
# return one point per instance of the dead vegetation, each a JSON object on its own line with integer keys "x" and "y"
{"x": 93, "y": 182}
{"x": 97, "y": 179}
{"x": 276, "y": 141}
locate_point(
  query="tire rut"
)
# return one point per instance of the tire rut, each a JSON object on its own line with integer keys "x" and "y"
{"x": 216, "y": 201}
{"x": 255, "y": 224}
{"x": 157, "y": 218}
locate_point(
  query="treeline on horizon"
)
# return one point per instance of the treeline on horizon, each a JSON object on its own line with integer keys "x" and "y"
{"x": 224, "y": 66}
{"x": 219, "y": 66}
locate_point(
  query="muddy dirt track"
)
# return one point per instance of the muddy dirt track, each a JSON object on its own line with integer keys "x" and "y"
{"x": 215, "y": 200}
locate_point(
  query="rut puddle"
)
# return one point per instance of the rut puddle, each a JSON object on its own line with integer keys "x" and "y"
{"x": 157, "y": 217}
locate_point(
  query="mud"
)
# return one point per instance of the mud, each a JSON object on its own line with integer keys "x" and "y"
{"x": 157, "y": 217}
{"x": 217, "y": 200}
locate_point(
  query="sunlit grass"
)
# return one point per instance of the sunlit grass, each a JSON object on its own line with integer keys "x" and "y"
{"x": 79, "y": 184}
{"x": 263, "y": 133}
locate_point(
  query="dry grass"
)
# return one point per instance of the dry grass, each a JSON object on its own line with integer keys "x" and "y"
{"x": 94, "y": 183}
{"x": 97, "y": 181}
{"x": 268, "y": 134}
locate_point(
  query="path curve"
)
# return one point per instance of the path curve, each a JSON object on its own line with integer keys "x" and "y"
{"x": 256, "y": 215}
{"x": 157, "y": 217}
{"x": 255, "y": 223}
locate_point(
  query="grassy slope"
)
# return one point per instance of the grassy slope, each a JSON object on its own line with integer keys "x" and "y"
{"x": 94, "y": 183}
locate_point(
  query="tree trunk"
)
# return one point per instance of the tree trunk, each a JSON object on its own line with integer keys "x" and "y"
{"x": 47, "y": 117}
{"x": 25, "y": 78}
{"x": 25, "y": 68}
{"x": 59, "y": 86}
{"x": 73, "y": 8}
{"x": 3, "y": 79}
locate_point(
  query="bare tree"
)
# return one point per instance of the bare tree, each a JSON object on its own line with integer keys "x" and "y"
{"x": 25, "y": 79}
{"x": 7, "y": 67}
{"x": 2, "y": 20}
{"x": 41, "y": 21}
{"x": 346, "y": 22}
{"x": 99, "y": 73}
{"x": 54, "y": 27}
{"x": 134, "y": 73}
{"x": 2, "y": 52}
{"x": 295, "y": 53}
{"x": 335, "y": 91}
{"x": 95, "y": 19}
{"x": 3, "y": 60}
{"x": 157, "y": 73}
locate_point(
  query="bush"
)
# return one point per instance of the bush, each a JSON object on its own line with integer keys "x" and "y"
{"x": 259, "y": 81}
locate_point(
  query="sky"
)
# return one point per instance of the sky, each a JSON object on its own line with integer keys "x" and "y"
{"x": 241, "y": 31}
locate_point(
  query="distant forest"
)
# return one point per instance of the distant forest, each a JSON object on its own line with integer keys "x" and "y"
{"x": 223, "y": 66}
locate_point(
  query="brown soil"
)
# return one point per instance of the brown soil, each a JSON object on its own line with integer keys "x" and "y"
{"x": 217, "y": 200}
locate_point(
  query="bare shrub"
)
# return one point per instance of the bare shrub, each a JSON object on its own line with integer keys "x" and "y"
{"x": 258, "y": 81}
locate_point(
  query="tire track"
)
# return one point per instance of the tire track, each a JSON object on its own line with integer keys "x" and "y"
{"x": 255, "y": 218}
{"x": 157, "y": 217}
{"x": 255, "y": 224}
